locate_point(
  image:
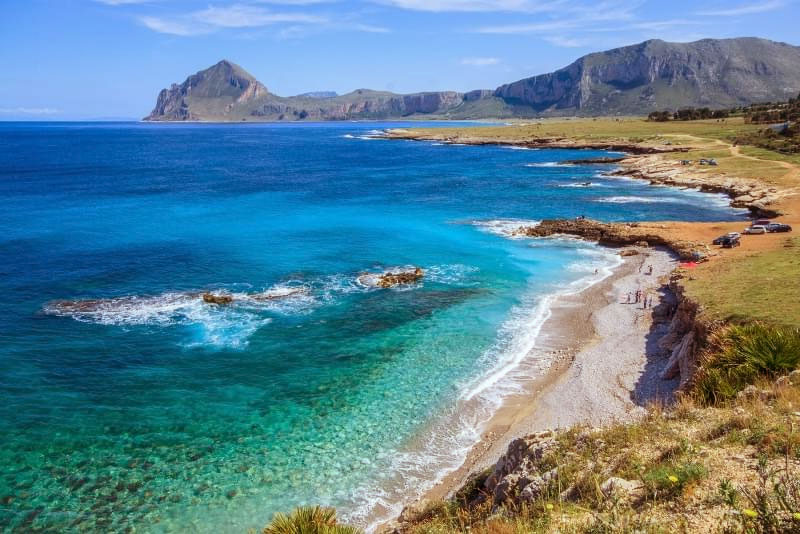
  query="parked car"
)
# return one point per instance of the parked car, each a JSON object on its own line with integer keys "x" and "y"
{"x": 778, "y": 227}
{"x": 720, "y": 239}
{"x": 761, "y": 222}
{"x": 730, "y": 242}
{"x": 755, "y": 229}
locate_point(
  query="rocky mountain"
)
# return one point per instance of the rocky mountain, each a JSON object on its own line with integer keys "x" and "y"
{"x": 656, "y": 75}
{"x": 637, "y": 79}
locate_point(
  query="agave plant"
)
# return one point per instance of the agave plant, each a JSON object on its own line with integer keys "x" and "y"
{"x": 741, "y": 354}
{"x": 309, "y": 520}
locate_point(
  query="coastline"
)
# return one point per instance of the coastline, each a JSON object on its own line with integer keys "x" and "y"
{"x": 642, "y": 161}
{"x": 581, "y": 326}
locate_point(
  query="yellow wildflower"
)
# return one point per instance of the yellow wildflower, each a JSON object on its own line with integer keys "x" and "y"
{"x": 796, "y": 516}
{"x": 673, "y": 478}
{"x": 548, "y": 506}
{"x": 750, "y": 513}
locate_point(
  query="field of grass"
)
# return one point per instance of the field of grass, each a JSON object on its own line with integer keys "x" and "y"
{"x": 763, "y": 287}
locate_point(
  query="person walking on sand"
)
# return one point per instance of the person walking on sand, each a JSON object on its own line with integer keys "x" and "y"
{"x": 629, "y": 298}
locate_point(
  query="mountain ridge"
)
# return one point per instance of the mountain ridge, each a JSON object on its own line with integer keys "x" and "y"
{"x": 635, "y": 79}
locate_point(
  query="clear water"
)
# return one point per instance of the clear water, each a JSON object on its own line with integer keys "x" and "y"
{"x": 162, "y": 413}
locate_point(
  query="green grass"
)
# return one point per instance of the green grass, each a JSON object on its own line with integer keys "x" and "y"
{"x": 761, "y": 287}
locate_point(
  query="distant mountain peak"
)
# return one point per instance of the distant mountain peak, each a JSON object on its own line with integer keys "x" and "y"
{"x": 636, "y": 79}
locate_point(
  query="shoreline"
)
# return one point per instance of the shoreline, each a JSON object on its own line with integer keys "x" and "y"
{"x": 641, "y": 162}
{"x": 572, "y": 335}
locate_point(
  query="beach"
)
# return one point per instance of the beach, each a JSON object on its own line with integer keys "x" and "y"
{"x": 605, "y": 363}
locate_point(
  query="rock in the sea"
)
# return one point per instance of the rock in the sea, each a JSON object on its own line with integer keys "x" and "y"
{"x": 629, "y": 252}
{"x": 391, "y": 279}
{"x": 212, "y": 298}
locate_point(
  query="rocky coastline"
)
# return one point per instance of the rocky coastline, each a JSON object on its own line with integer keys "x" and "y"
{"x": 642, "y": 161}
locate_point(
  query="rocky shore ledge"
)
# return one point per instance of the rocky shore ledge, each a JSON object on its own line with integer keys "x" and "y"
{"x": 645, "y": 162}
{"x": 616, "y": 235}
{"x": 753, "y": 195}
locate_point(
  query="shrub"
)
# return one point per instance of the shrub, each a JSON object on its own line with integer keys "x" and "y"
{"x": 668, "y": 480}
{"x": 309, "y": 520}
{"x": 741, "y": 354}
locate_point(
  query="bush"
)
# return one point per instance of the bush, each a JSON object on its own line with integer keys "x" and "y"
{"x": 669, "y": 480}
{"x": 742, "y": 354}
{"x": 308, "y": 520}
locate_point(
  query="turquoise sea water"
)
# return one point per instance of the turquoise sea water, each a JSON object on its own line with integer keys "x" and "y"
{"x": 155, "y": 411}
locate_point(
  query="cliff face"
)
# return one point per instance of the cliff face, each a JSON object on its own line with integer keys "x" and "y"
{"x": 659, "y": 75}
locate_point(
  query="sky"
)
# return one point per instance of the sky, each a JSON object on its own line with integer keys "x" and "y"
{"x": 101, "y": 59}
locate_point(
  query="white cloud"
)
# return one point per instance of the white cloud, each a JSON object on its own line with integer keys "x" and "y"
{"x": 746, "y": 9}
{"x": 480, "y": 61}
{"x": 243, "y": 16}
{"x": 471, "y": 5}
{"x": 29, "y": 111}
{"x": 538, "y": 27}
{"x": 171, "y": 27}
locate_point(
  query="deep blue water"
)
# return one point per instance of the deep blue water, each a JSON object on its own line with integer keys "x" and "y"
{"x": 154, "y": 410}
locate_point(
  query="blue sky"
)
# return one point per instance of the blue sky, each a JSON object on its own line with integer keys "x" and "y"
{"x": 72, "y": 59}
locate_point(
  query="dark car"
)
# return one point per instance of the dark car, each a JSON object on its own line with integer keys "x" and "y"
{"x": 778, "y": 227}
{"x": 730, "y": 242}
{"x": 729, "y": 235}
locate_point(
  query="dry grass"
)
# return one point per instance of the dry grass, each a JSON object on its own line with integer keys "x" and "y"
{"x": 731, "y": 468}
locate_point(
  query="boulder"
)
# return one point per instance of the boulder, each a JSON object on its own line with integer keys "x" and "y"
{"x": 212, "y": 298}
{"x": 391, "y": 279}
{"x": 629, "y": 252}
{"x": 619, "y": 488}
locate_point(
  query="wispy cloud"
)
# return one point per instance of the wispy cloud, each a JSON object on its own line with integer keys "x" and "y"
{"x": 745, "y": 9}
{"x": 240, "y": 16}
{"x": 28, "y": 111}
{"x": 472, "y": 5}
{"x": 245, "y": 16}
{"x": 480, "y": 61}
{"x": 172, "y": 27}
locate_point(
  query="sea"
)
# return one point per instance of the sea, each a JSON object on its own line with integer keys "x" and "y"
{"x": 129, "y": 403}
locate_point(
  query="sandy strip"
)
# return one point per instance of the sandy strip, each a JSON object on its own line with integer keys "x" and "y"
{"x": 606, "y": 363}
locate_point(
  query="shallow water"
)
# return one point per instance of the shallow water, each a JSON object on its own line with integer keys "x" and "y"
{"x": 163, "y": 413}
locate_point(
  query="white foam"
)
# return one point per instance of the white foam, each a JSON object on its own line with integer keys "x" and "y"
{"x": 505, "y": 227}
{"x": 549, "y": 164}
{"x": 512, "y": 361}
{"x": 583, "y": 184}
{"x": 349, "y": 136}
{"x": 516, "y": 147}
{"x": 633, "y": 200}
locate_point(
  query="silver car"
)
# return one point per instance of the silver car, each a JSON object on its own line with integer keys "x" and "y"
{"x": 755, "y": 229}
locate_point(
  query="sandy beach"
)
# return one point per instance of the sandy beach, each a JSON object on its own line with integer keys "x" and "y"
{"x": 605, "y": 362}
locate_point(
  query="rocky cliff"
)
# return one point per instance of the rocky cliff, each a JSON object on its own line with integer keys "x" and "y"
{"x": 656, "y": 75}
{"x": 653, "y": 75}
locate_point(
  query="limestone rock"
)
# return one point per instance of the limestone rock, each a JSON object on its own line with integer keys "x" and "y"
{"x": 212, "y": 298}
{"x": 616, "y": 487}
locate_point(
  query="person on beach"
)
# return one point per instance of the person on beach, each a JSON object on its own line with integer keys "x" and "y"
{"x": 650, "y": 270}
{"x": 629, "y": 298}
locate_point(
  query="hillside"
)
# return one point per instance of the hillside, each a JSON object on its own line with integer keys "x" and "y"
{"x": 637, "y": 79}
